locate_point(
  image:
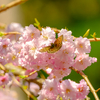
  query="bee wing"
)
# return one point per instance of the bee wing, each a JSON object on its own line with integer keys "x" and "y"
{"x": 58, "y": 42}
{"x": 56, "y": 46}
{"x": 45, "y": 49}
{"x": 52, "y": 50}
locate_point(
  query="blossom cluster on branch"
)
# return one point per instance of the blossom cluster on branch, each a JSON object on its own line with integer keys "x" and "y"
{"x": 54, "y": 52}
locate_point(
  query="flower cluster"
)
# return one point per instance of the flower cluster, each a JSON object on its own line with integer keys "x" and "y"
{"x": 25, "y": 51}
{"x": 67, "y": 89}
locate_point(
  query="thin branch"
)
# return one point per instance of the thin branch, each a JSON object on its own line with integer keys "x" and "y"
{"x": 91, "y": 39}
{"x": 94, "y": 39}
{"x": 31, "y": 73}
{"x": 88, "y": 83}
{"x": 12, "y": 33}
{"x": 12, "y": 4}
{"x": 26, "y": 91}
{"x": 97, "y": 90}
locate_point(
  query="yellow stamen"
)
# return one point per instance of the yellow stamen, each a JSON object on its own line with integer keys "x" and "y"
{"x": 5, "y": 46}
{"x": 45, "y": 37}
{"x": 32, "y": 35}
{"x": 67, "y": 90}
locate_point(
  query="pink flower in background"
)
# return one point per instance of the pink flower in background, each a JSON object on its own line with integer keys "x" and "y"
{"x": 49, "y": 90}
{"x": 5, "y": 46}
{"x": 34, "y": 88}
{"x": 82, "y": 45}
{"x": 68, "y": 90}
{"x": 6, "y": 94}
{"x": 66, "y": 35}
{"x": 30, "y": 32}
{"x": 82, "y": 62}
{"x": 83, "y": 90}
{"x": 14, "y": 27}
{"x": 47, "y": 36}
{"x": 3, "y": 61}
{"x": 4, "y": 79}
{"x": 60, "y": 73}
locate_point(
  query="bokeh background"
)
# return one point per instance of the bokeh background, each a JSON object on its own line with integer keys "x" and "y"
{"x": 76, "y": 15}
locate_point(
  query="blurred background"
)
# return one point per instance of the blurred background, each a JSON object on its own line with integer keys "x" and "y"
{"x": 76, "y": 15}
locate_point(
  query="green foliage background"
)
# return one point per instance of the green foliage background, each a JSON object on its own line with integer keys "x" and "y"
{"x": 77, "y": 16}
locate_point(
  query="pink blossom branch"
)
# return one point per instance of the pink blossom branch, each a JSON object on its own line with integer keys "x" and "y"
{"x": 91, "y": 39}
{"x": 88, "y": 83}
{"x": 20, "y": 86}
{"x": 12, "y": 4}
{"x": 57, "y": 31}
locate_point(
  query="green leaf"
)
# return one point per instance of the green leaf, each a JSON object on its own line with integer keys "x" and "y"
{"x": 1, "y": 34}
{"x": 22, "y": 76}
{"x": 37, "y": 24}
{"x": 34, "y": 98}
{"x": 56, "y": 35}
{"x": 94, "y": 35}
{"x": 15, "y": 69}
{"x": 87, "y": 33}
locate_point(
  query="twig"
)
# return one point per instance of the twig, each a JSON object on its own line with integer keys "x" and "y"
{"x": 97, "y": 90}
{"x": 94, "y": 39}
{"x": 10, "y": 33}
{"x": 91, "y": 39}
{"x": 88, "y": 83}
{"x": 27, "y": 92}
{"x": 2, "y": 67}
{"x": 31, "y": 74}
{"x": 12, "y": 4}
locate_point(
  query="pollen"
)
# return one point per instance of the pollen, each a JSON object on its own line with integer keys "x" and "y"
{"x": 5, "y": 46}
{"x": 81, "y": 62}
{"x": 38, "y": 67}
{"x": 67, "y": 90}
{"x": 81, "y": 46}
{"x": 65, "y": 39}
{"x": 3, "y": 79}
{"x": 65, "y": 52}
{"x": 13, "y": 57}
{"x": 81, "y": 89}
{"x": 61, "y": 72}
{"x": 45, "y": 37}
{"x": 51, "y": 88}
{"x": 32, "y": 35}
{"x": 33, "y": 48}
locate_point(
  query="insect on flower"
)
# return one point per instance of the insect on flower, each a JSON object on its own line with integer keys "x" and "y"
{"x": 54, "y": 46}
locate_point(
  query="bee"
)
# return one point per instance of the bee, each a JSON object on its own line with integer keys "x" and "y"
{"x": 54, "y": 46}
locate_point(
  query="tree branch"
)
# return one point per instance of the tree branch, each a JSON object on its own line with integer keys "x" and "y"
{"x": 24, "y": 90}
{"x": 12, "y": 4}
